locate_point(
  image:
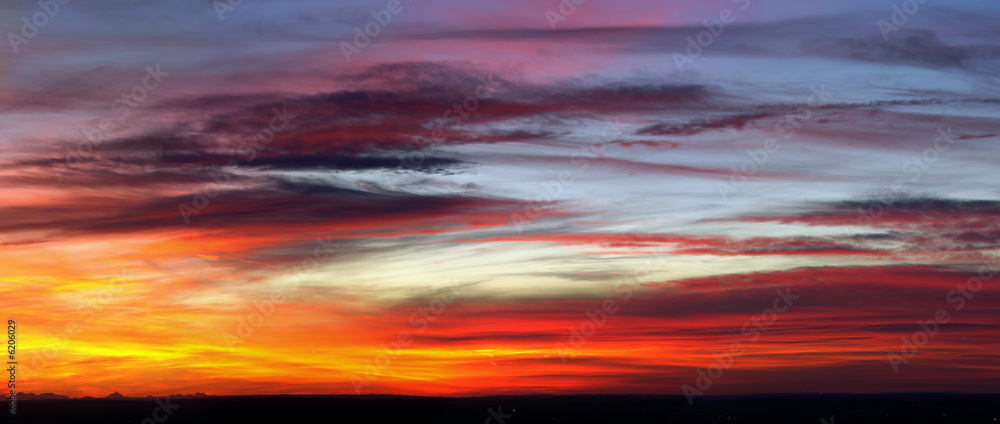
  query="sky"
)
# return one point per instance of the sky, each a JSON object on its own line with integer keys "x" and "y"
{"x": 476, "y": 198}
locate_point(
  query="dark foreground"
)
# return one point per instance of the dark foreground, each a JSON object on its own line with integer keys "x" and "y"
{"x": 605, "y": 409}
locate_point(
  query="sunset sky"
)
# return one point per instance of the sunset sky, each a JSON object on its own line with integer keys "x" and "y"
{"x": 256, "y": 199}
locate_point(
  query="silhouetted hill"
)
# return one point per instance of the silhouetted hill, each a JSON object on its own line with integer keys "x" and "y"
{"x": 114, "y": 396}
{"x": 581, "y": 409}
{"x": 44, "y": 396}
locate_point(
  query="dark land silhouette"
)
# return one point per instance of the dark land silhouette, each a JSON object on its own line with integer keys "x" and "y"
{"x": 604, "y": 409}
